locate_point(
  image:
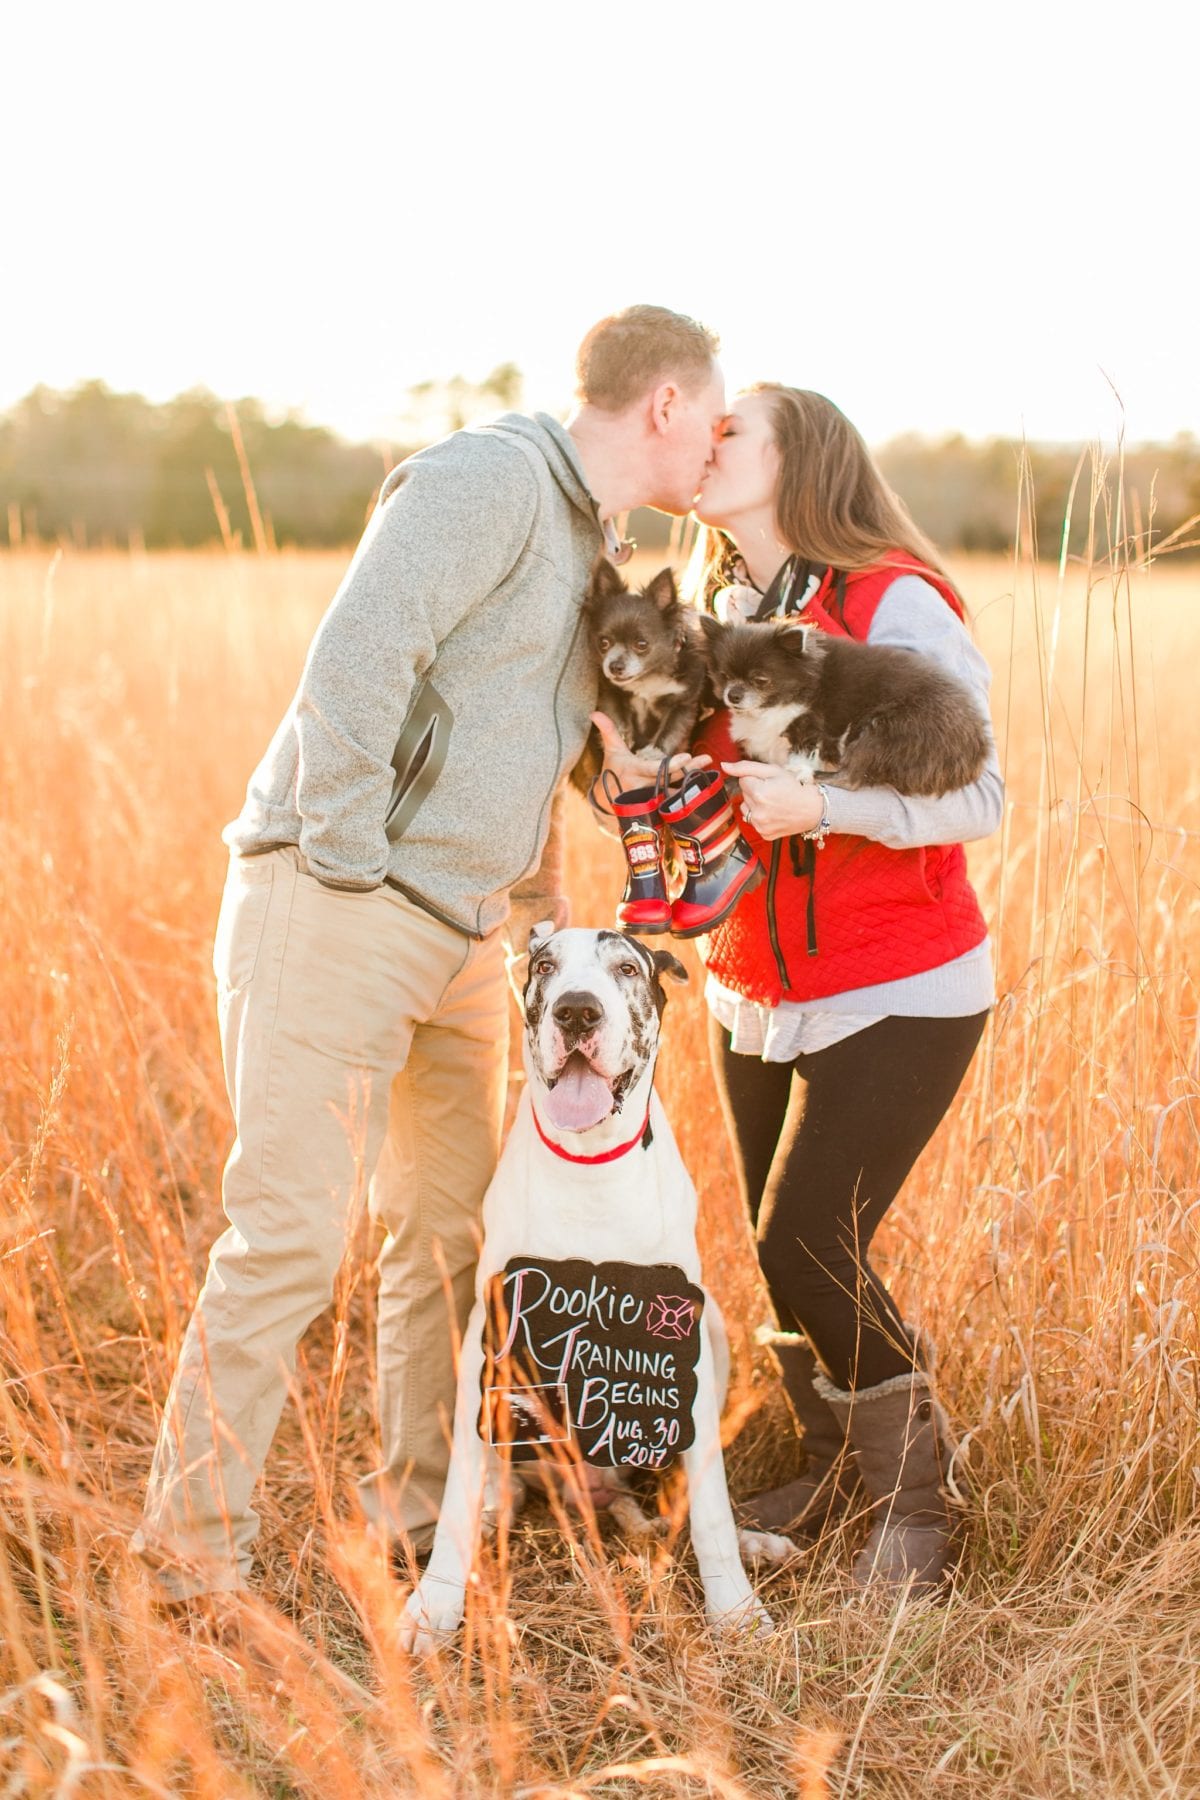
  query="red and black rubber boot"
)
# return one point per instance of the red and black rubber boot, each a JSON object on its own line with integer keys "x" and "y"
{"x": 644, "y": 906}
{"x": 718, "y": 863}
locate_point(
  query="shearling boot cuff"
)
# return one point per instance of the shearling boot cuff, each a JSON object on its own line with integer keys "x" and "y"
{"x": 918, "y": 1382}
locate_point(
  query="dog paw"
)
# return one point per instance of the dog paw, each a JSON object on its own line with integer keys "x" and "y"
{"x": 734, "y": 1609}
{"x": 432, "y": 1614}
{"x": 748, "y": 1619}
{"x": 765, "y": 1549}
{"x": 803, "y": 764}
{"x": 633, "y": 1523}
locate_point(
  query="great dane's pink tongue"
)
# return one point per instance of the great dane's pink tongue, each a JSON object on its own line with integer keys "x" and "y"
{"x": 579, "y": 1098}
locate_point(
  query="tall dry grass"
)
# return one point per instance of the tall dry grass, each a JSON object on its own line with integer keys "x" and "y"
{"x": 1048, "y": 1240}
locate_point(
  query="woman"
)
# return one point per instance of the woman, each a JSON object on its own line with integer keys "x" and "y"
{"x": 849, "y": 990}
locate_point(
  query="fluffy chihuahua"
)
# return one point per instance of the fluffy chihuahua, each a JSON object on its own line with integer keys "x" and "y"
{"x": 875, "y": 715}
{"x": 652, "y": 666}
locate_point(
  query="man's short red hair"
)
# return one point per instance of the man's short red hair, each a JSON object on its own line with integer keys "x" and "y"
{"x": 630, "y": 352}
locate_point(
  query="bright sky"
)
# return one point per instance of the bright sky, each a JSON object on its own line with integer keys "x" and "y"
{"x": 944, "y": 215}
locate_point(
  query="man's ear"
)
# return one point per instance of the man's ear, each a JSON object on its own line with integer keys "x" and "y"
{"x": 604, "y": 585}
{"x": 663, "y": 402}
{"x": 662, "y": 590}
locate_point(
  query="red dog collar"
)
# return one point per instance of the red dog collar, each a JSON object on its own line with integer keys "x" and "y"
{"x": 643, "y": 1136}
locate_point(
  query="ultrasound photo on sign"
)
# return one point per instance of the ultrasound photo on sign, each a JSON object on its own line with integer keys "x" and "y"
{"x": 528, "y": 1415}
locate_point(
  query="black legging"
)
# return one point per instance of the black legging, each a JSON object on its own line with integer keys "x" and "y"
{"x": 821, "y": 1158}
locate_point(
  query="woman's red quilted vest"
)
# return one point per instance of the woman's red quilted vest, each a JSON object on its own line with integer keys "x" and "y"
{"x": 854, "y": 912}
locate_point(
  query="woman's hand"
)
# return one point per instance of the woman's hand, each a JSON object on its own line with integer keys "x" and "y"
{"x": 637, "y": 771}
{"x": 776, "y": 802}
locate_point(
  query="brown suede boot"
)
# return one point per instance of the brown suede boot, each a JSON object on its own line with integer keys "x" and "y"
{"x": 904, "y": 1448}
{"x": 805, "y": 1506}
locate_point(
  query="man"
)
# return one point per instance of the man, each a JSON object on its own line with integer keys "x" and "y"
{"x": 408, "y": 791}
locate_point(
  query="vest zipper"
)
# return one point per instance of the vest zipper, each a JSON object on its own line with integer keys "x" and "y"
{"x": 772, "y": 927}
{"x": 804, "y": 863}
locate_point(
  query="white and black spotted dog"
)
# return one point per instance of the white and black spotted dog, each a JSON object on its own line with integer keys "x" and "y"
{"x": 591, "y": 1339}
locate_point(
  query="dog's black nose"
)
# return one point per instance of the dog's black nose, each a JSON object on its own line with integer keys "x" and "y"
{"x": 734, "y": 695}
{"x": 578, "y": 1013}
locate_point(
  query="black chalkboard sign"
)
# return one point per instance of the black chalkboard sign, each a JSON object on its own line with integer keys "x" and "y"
{"x": 599, "y": 1355}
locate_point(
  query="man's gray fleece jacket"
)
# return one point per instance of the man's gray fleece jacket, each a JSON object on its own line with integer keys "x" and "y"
{"x": 447, "y": 689}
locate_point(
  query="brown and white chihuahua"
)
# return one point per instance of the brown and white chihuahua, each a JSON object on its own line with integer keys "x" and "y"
{"x": 652, "y": 666}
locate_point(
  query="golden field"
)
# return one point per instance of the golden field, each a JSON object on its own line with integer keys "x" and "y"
{"x": 1048, "y": 1240}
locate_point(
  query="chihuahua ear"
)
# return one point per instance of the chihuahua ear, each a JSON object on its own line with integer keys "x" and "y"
{"x": 711, "y": 626}
{"x": 604, "y": 585}
{"x": 798, "y": 640}
{"x": 662, "y": 590}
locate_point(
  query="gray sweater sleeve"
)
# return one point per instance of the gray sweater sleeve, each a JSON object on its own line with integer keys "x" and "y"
{"x": 913, "y": 616}
{"x": 542, "y": 893}
{"x": 449, "y": 526}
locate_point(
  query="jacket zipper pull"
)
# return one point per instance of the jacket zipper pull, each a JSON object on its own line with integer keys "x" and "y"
{"x": 804, "y": 864}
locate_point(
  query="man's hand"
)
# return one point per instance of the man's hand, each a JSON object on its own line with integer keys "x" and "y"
{"x": 776, "y": 802}
{"x": 632, "y": 771}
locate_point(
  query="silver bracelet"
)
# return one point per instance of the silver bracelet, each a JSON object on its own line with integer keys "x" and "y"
{"x": 820, "y": 831}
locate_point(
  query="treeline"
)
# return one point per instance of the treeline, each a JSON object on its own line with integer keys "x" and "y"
{"x": 976, "y": 496}
{"x": 93, "y": 467}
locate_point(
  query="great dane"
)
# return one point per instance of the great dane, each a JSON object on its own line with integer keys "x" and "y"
{"x": 591, "y": 1338}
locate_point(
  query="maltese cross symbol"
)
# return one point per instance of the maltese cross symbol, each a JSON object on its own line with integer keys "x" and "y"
{"x": 670, "y": 1316}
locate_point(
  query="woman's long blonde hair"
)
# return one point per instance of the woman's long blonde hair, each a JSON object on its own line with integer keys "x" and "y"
{"x": 833, "y": 505}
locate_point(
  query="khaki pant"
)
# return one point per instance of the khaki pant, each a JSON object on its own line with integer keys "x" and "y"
{"x": 361, "y": 1038}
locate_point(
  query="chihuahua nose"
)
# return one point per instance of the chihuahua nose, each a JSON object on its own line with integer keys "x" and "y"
{"x": 734, "y": 695}
{"x": 615, "y": 668}
{"x": 577, "y": 1014}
